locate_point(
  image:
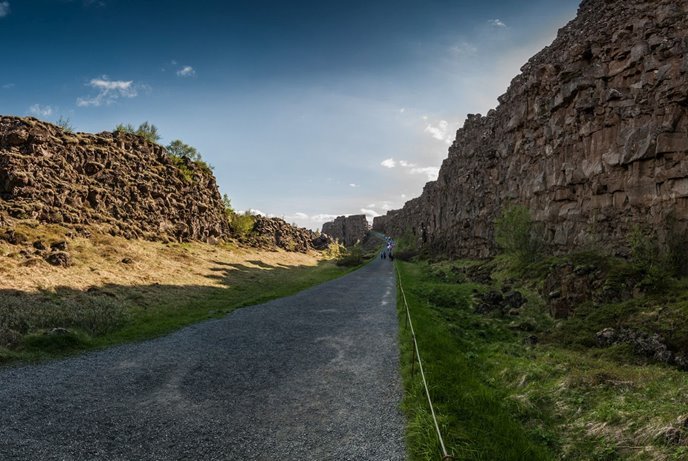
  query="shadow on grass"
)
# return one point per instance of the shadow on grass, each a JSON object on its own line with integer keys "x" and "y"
{"x": 48, "y": 324}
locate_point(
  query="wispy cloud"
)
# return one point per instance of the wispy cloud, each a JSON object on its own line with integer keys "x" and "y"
{"x": 370, "y": 213}
{"x": 354, "y": 185}
{"x": 186, "y": 71}
{"x": 432, "y": 172}
{"x": 440, "y": 131}
{"x": 463, "y": 49}
{"x": 109, "y": 91}
{"x": 4, "y": 9}
{"x": 388, "y": 163}
{"x": 323, "y": 218}
{"x": 41, "y": 111}
{"x": 496, "y": 23}
{"x": 7, "y": 86}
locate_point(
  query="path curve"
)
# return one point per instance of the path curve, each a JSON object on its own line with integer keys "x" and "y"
{"x": 314, "y": 376}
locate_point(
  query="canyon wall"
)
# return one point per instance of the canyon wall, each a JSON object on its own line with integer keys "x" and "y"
{"x": 591, "y": 137}
{"x": 117, "y": 181}
{"x": 348, "y": 230}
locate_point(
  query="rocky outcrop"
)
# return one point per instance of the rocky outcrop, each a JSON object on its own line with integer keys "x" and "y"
{"x": 273, "y": 233}
{"x": 348, "y": 230}
{"x": 592, "y": 137}
{"x": 117, "y": 181}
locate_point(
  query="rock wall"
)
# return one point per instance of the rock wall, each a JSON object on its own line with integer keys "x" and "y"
{"x": 348, "y": 230}
{"x": 118, "y": 181}
{"x": 273, "y": 233}
{"x": 592, "y": 137}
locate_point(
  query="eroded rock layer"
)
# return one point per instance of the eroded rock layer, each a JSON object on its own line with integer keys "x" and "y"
{"x": 348, "y": 230}
{"x": 592, "y": 137}
{"x": 114, "y": 180}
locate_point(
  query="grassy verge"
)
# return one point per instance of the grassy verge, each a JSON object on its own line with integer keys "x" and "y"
{"x": 499, "y": 396}
{"x": 475, "y": 416}
{"x": 99, "y": 301}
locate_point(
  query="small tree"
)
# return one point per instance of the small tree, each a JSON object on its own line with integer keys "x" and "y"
{"x": 149, "y": 132}
{"x": 179, "y": 149}
{"x": 128, "y": 128}
{"x": 146, "y": 130}
{"x": 516, "y": 235}
{"x": 65, "y": 124}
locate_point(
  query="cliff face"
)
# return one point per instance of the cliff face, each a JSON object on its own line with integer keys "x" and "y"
{"x": 273, "y": 233}
{"x": 349, "y": 230}
{"x": 128, "y": 186}
{"x": 592, "y": 137}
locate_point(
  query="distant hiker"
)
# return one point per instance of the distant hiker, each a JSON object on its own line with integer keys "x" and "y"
{"x": 382, "y": 255}
{"x": 391, "y": 256}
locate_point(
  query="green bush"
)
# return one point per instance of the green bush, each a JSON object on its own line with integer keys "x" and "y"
{"x": 516, "y": 234}
{"x": 65, "y": 124}
{"x": 351, "y": 257}
{"x": 242, "y": 224}
{"x": 146, "y": 130}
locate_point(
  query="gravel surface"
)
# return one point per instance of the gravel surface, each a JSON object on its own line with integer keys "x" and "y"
{"x": 314, "y": 376}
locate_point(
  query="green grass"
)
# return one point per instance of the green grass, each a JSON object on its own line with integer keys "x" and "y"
{"x": 474, "y": 415}
{"x": 117, "y": 314}
{"x": 499, "y": 398}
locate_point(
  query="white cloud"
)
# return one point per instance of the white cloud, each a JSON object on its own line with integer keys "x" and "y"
{"x": 464, "y": 49}
{"x": 389, "y": 163}
{"x": 440, "y": 131}
{"x": 402, "y": 110}
{"x": 42, "y": 111}
{"x": 424, "y": 117}
{"x": 431, "y": 171}
{"x": 323, "y": 218}
{"x": 496, "y": 23}
{"x": 354, "y": 185}
{"x": 386, "y": 206}
{"x": 372, "y": 205}
{"x": 299, "y": 215}
{"x": 255, "y": 212}
{"x": 186, "y": 71}
{"x": 108, "y": 91}
{"x": 403, "y": 195}
{"x": 369, "y": 213}
{"x": 406, "y": 164}
{"x": 4, "y": 9}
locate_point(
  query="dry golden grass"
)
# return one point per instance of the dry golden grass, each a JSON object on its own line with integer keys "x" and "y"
{"x": 97, "y": 261}
{"x": 118, "y": 290}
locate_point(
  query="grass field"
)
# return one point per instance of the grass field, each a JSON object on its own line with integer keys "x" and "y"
{"x": 499, "y": 397}
{"x": 99, "y": 300}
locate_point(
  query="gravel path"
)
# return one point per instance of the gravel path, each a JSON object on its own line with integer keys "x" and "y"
{"x": 310, "y": 377}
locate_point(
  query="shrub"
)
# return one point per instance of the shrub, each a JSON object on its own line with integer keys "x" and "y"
{"x": 146, "y": 130}
{"x": 242, "y": 224}
{"x": 351, "y": 257}
{"x": 64, "y": 123}
{"x": 179, "y": 149}
{"x": 516, "y": 234}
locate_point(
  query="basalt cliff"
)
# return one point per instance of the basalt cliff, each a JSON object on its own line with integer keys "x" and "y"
{"x": 121, "y": 184}
{"x": 348, "y": 230}
{"x": 591, "y": 137}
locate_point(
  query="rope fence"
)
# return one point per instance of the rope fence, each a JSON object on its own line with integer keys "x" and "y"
{"x": 416, "y": 357}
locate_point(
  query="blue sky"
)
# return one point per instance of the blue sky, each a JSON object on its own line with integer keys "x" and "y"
{"x": 306, "y": 109}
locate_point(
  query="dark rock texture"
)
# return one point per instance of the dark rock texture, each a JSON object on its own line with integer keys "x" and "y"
{"x": 348, "y": 230}
{"x": 118, "y": 181}
{"x": 592, "y": 137}
{"x": 273, "y": 233}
